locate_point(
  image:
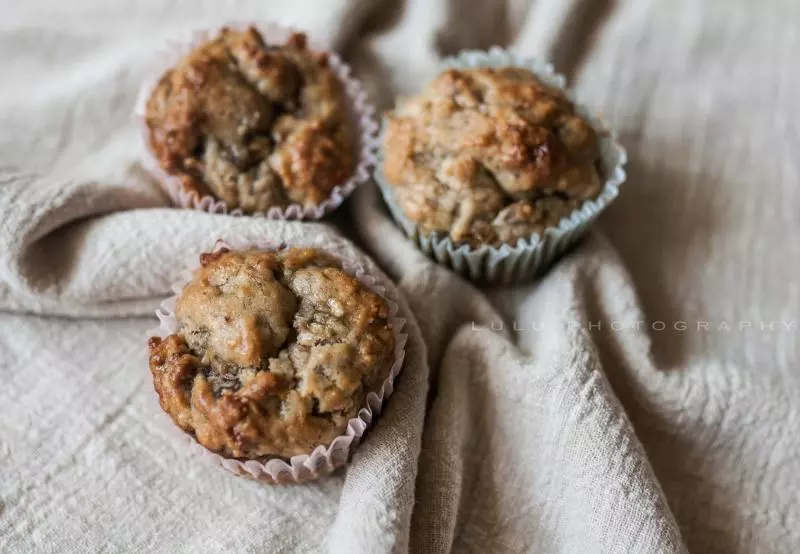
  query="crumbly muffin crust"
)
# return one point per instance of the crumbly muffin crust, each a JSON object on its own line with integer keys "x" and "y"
{"x": 275, "y": 353}
{"x": 489, "y": 156}
{"x": 256, "y": 126}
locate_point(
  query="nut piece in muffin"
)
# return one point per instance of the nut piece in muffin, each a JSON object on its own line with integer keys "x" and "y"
{"x": 489, "y": 156}
{"x": 253, "y": 125}
{"x": 274, "y": 354}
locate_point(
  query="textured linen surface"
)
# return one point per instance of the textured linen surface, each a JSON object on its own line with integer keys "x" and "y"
{"x": 642, "y": 397}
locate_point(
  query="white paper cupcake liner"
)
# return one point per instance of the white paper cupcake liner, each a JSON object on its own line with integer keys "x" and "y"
{"x": 507, "y": 264}
{"x": 362, "y": 114}
{"x": 324, "y": 459}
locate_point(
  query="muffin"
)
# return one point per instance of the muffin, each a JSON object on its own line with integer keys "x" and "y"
{"x": 252, "y": 125}
{"x": 273, "y": 354}
{"x": 489, "y": 155}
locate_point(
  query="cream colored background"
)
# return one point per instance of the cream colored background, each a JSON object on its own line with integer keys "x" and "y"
{"x": 565, "y": 439}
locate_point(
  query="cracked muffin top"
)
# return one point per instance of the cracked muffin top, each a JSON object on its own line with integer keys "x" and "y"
{"x": 274, "y": 353}
{"x": 253, "y": 125}
{"x": 489, "y": 156}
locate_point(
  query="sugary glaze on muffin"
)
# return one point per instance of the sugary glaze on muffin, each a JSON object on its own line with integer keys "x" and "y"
{"x": 274, "y": 354}
{"x": 253, "y": 125}
{"x": 489, "y": 156}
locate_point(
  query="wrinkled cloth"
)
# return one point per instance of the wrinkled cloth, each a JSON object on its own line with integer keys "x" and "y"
{"x": 641, "y": 397}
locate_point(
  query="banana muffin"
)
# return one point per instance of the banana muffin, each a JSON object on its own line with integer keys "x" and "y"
{"x": 489, "y": 156}
{"x": 253, "y": 125}
{"x": 274, "y": 354}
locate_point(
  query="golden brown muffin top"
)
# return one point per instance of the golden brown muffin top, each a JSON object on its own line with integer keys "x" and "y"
{"x": 489, "y": 156}
{"x": 253, "y": 125}
{"x": 275, "y": 353}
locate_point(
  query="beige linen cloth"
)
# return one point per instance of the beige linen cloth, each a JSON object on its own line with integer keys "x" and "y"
{"x": 642, "y": 397}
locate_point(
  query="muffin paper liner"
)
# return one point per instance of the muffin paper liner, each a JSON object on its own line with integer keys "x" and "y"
{"x": 324, "y": 459}
{"x": 361, "y": 111}
{"x": 507, "y": 264}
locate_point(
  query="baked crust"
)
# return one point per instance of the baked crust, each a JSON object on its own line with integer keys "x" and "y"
{"x": 256, "y": 126}
{"x": 275, "y": 352}
{"x": 489, "y": 156}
